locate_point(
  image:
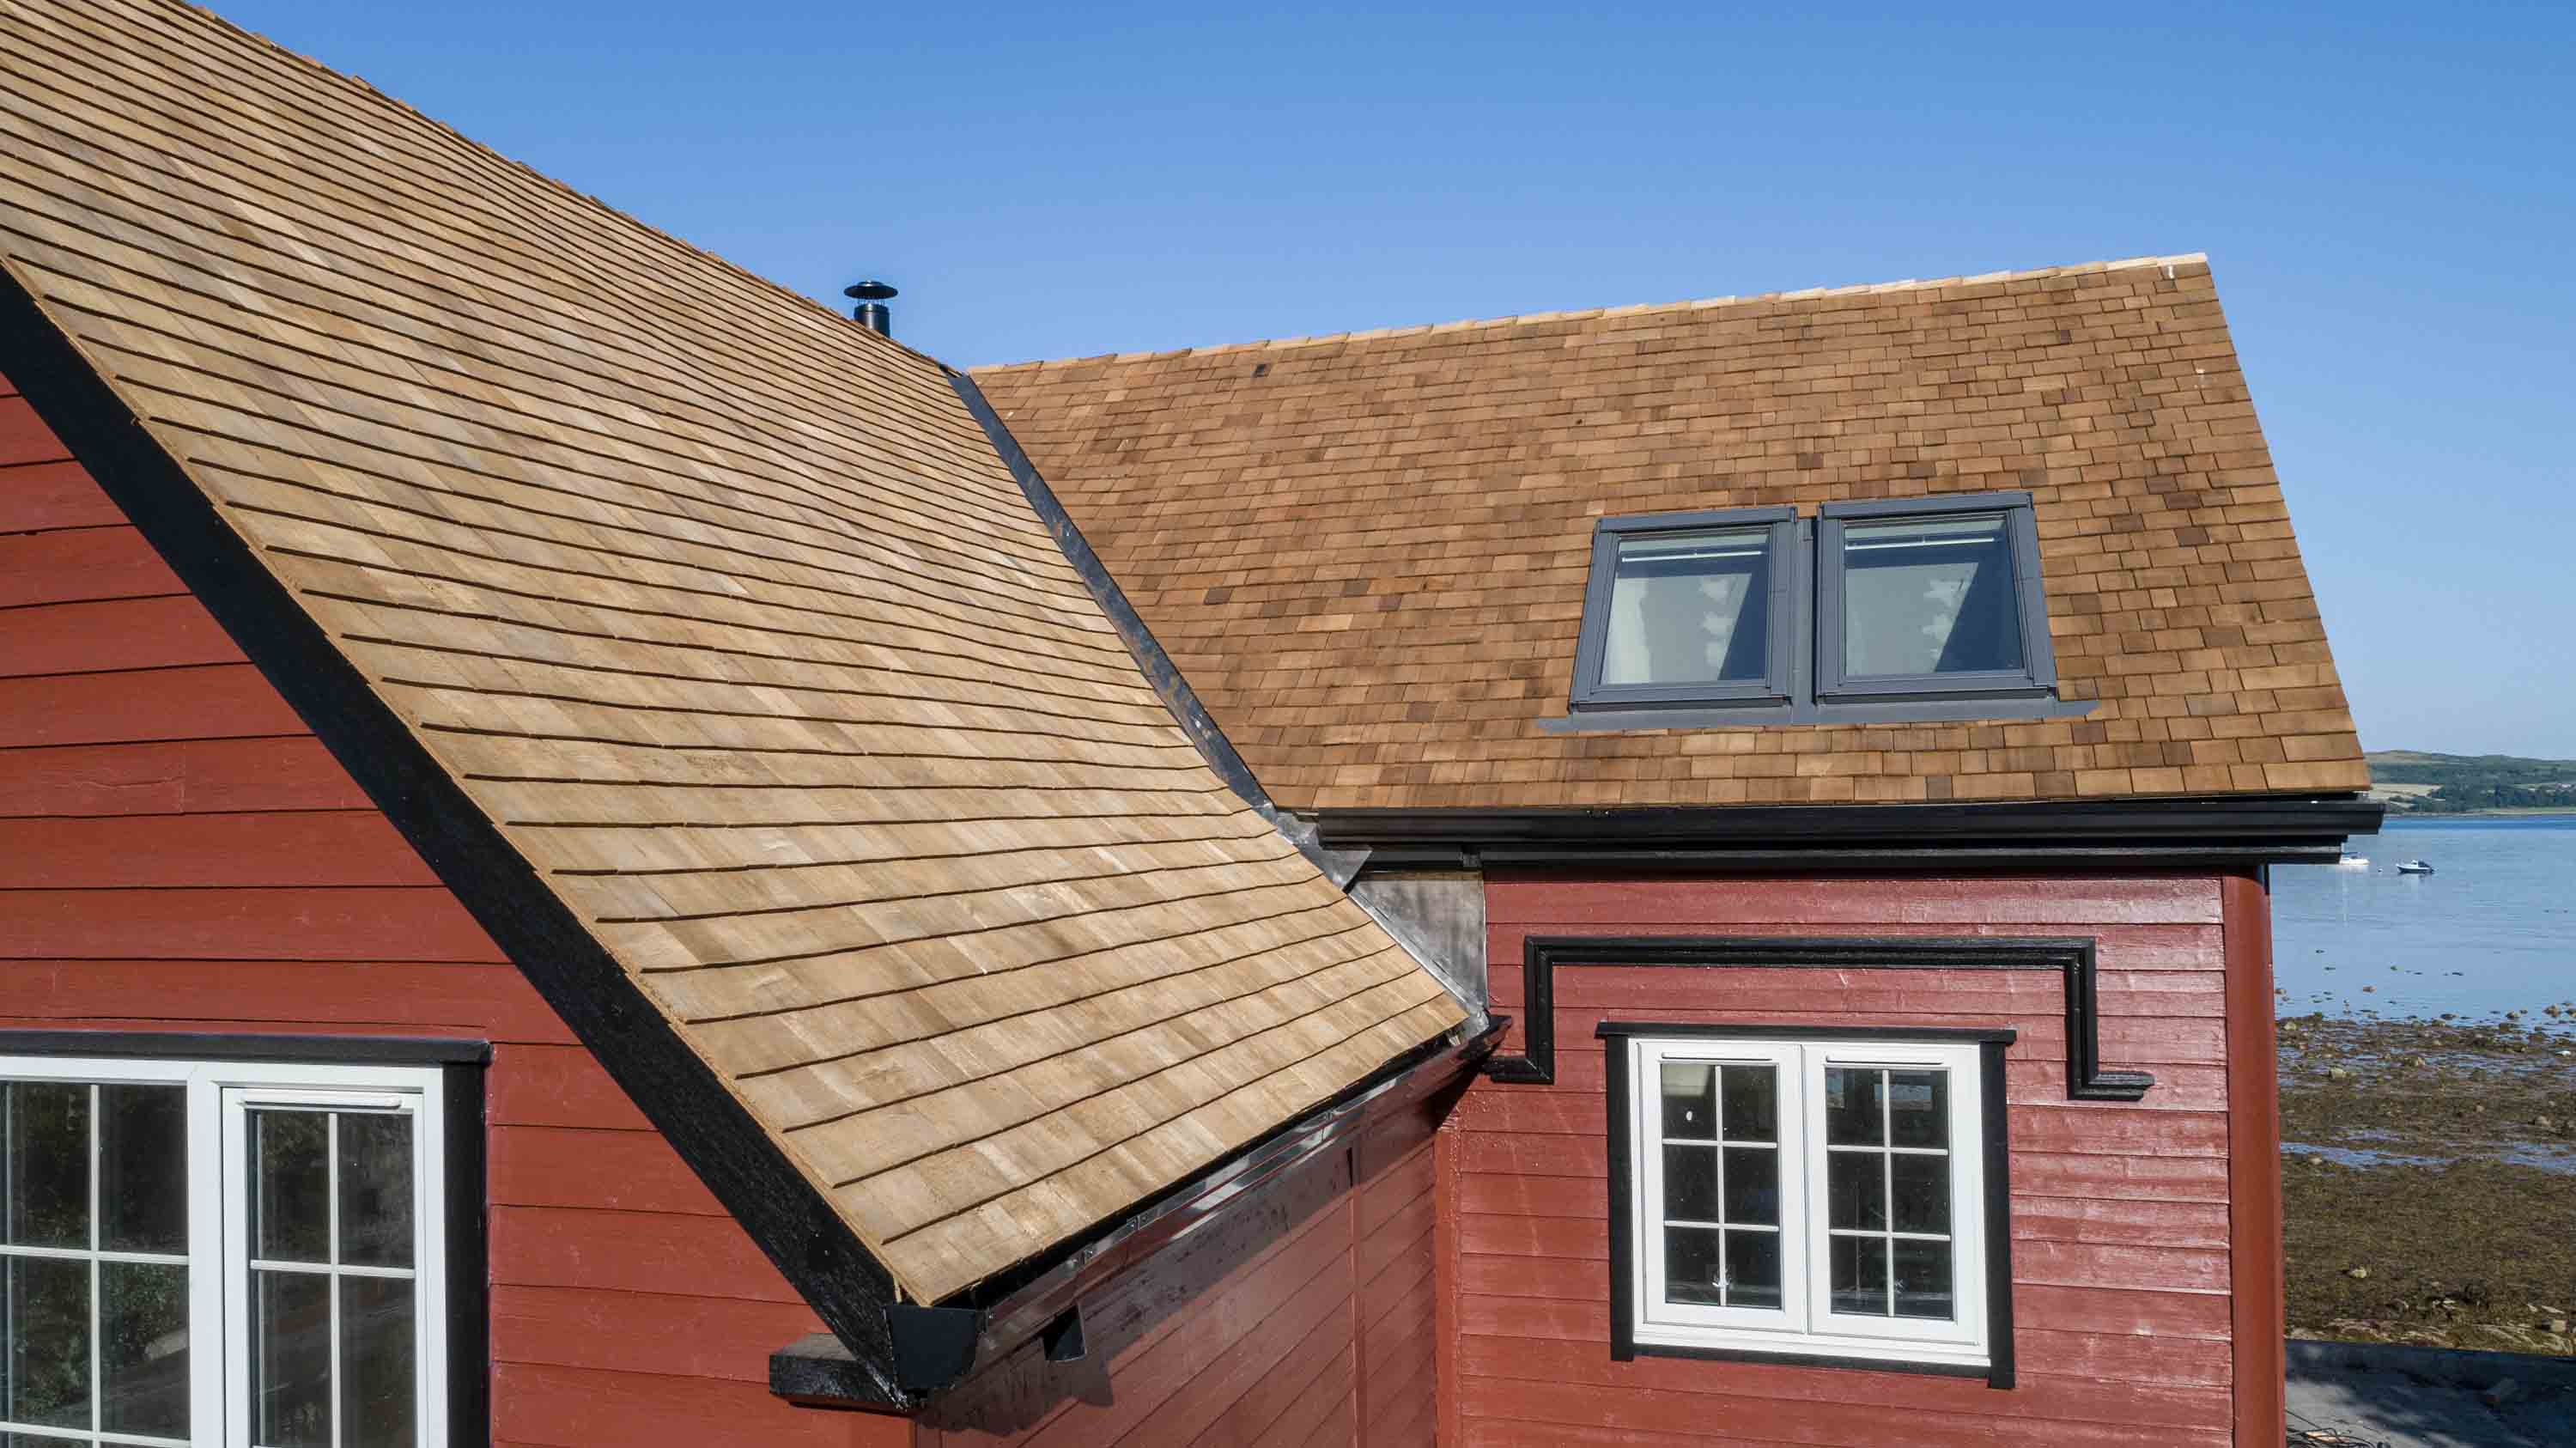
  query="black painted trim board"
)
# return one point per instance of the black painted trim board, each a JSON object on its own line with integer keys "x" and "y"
{"x": 2118, "y": 833}
{"x": 463, "y": 1087}
{"x": 1994, "y": 1140}
{"x": 676, "y": 1090}
{"x": 2071, "y": 956}
{"x": 248, "y": 1046}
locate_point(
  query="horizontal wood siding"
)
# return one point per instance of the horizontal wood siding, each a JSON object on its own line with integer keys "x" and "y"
{"x": 2121, "y": 1225}
{"x": 1304, "y": 1317}
{"x": 178, "y": 853}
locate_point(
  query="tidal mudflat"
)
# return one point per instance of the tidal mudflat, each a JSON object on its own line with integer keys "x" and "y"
{"x": 2429, "y": 1179}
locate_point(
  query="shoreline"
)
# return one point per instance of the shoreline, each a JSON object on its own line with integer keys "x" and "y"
{"x": 2508, "y": 812}
{"x": 2427, "y": 1171}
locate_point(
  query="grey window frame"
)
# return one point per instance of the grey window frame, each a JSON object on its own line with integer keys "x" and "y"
{"x": 2036, "y": 678}
{"x": 1782, "y": 620}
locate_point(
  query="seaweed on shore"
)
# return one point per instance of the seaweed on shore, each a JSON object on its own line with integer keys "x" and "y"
{"x": 2450, "y": 1217}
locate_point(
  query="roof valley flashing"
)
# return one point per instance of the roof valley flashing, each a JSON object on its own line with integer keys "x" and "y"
{"x": 1439, "y": 922}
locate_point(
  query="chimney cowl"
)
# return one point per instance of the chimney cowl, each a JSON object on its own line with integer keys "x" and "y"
{"x": 871, "y": 296}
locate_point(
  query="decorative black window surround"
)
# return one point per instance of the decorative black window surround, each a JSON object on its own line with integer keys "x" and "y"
{"x": 2070, "y": 956}
{"x": 1624, "y": 1347}
{"x": 461, "y": 1065}
{"x": 1806, "y": 684}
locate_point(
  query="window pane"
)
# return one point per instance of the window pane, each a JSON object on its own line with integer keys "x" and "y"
{"x": 1852, "y": 1113}
{"x": 1929, "y": 596}
{"x": 1753, "y": 1269}
{"x": 1690, "y": 1183}
{"x": 1923, "y": 1280}
{"x": 143, "y": 1349}
{"x": 44, "y": 1174}
{"x": 1922, "y": 1190}
{"x": 1753, "y": 1185}
{"x": 1688, "y": 1112}
{"x": 1692, "y": 609}
{"x": 143, "y": 1169}
{"x": 1918, "y": 1107}
{"x": 375, "y": 1189}
{"x": 1690, "y": 1265}
{"x": 1856, "y": 1190}
{"x": 47, "y": 1364}
{"x": 376, "y": 1333}
{"x": 1752, "y": 1103}
{"x": 291, "y": 1192}
{"x": 1860, "y": 1275}
{"x": 31, "y": 1440}
{"x": 290, "y": 1361}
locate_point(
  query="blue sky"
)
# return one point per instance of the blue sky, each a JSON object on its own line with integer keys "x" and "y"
{"x": 2387, "y": 194}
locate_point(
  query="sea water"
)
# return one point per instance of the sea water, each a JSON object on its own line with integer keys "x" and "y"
{"x": 2493, "y": 928}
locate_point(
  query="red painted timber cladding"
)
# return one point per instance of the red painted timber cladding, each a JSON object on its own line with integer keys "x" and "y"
{"x": 177, "y": 852}
{"x": 1306, "y": 1318}
{"x": 2126, "y": 1239}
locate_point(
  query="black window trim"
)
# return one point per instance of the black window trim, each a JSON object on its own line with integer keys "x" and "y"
{"x": 2035, "y": 679}
{"x": 1772, "y": 693}
{"x": 2073, "y": 957}
{"x": 1991, "y": 1044}
{"x": 462, "y": 1064}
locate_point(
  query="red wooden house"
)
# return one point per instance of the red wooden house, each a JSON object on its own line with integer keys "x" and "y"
{"x": 593, "y": 853}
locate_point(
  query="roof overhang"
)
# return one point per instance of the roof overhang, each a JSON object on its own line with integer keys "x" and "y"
{"x": 935, "y": 1348}
{"x": 2229, "y": 833}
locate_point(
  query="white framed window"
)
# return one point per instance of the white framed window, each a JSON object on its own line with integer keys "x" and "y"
{"x": 1808, "y": 1195}
{"x": 232, "y": 1252}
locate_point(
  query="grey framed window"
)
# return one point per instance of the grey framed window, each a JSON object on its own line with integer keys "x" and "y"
{"x": 1872, "y": 612}
{"x": 1930, "y": 597}
{"x": 1689, "y": 608}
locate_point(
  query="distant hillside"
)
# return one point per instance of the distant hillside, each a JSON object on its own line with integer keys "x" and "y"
{"x": 2417, "y": 782}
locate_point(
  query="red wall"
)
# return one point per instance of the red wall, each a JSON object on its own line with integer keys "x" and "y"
{"x": 1304, "y": 1319}
{"x": 178, "y": 852}
{"x": 2121, "y": 1214}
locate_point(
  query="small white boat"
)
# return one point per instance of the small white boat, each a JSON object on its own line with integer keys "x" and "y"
{"x": 2415, "y": 867}
{"x": 2351, "y": 861}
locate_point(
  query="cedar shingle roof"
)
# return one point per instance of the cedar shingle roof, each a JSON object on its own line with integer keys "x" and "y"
{"x": 1368, "y": 552}
{"x": 726, "y": 613}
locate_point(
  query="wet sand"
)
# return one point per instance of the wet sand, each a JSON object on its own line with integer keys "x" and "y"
{"x": 2429, "y": 1179}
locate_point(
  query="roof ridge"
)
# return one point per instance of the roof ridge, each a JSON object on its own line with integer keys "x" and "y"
{"x": 1638, "y": 309}
{"x": 512, "y": 163}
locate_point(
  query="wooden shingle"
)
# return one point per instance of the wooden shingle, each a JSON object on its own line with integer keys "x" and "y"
{"x": 1368, "y": 552}
{"x": 726, "y": 613}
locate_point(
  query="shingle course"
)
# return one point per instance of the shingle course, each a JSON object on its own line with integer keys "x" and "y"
{"x": 1452, "y": 475}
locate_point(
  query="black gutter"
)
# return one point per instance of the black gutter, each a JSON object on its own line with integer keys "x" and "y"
{"x": 937, "y": 1347}
{"x": 782, "y": 1213}
{"x": 2132, "y": 833}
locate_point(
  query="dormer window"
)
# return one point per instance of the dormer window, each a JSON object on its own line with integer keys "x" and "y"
{"x": 1918, "y": 608}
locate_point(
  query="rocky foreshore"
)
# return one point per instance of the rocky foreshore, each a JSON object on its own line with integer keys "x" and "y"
{"x": 2429, "y": 1179}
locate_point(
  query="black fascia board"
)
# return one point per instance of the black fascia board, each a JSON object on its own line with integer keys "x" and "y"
{"x": 677, "y": 1091}
{"x": 2240, "y": 830}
